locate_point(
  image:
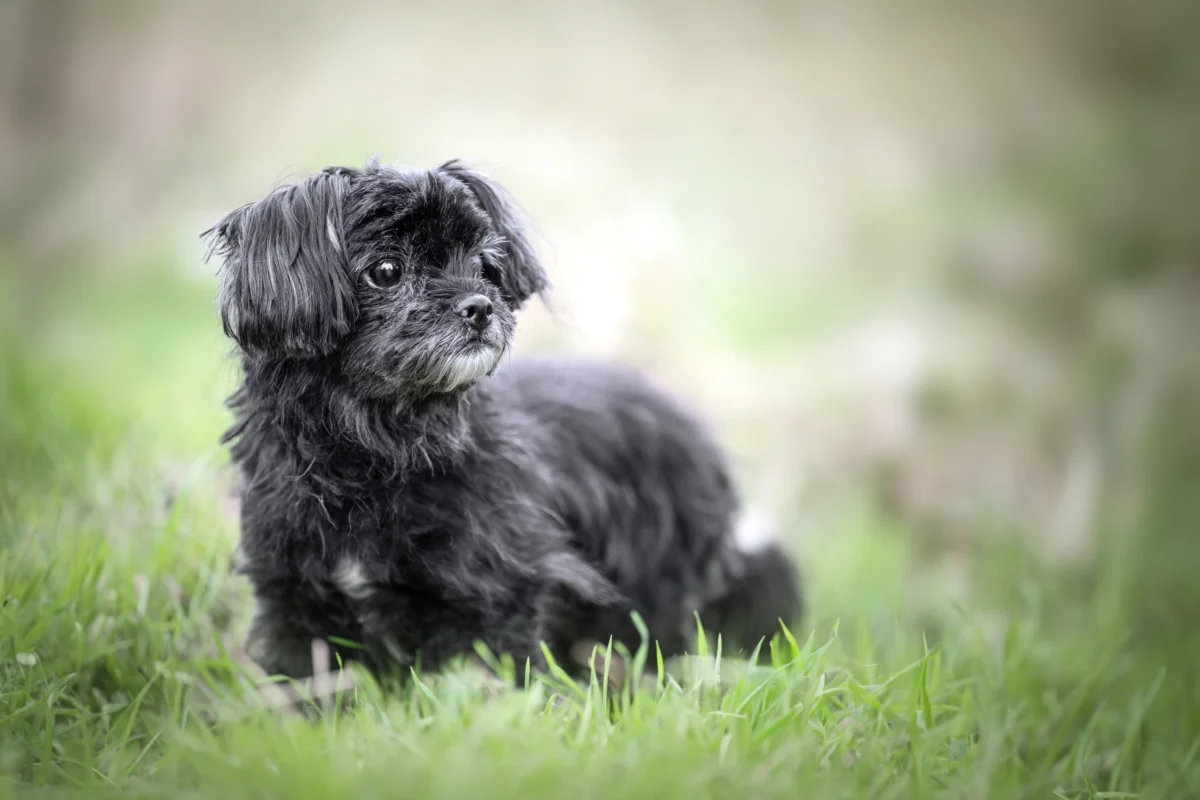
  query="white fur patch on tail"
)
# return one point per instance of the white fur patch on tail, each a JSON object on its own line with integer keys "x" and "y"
{"x": 753, "y": 531}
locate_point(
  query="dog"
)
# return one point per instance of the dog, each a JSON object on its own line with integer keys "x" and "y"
{"x": 407, "y": 491}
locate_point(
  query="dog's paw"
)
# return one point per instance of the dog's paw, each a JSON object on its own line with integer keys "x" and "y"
{"x": 592, "y": 655}
{"x": 484, "y": 680}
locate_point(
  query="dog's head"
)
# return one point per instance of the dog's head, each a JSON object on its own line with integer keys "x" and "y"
{"x": 403, "y": 282}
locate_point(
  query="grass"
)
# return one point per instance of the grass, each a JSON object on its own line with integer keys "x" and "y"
{"x": 119, "y": 619}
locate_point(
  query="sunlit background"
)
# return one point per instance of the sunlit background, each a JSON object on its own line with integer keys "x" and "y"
{"x": 930, "y": 269}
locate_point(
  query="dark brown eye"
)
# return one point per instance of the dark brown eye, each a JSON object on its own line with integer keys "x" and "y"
{"x": 385, "y": 275}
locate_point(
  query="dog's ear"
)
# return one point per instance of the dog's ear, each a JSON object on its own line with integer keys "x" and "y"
{"x": 519, "y": 275}
{"x": 285, "y": 286}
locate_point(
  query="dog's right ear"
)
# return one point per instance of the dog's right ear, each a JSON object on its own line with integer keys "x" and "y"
{"x": 285, "y": 285}
{"x": 519, "y": 275}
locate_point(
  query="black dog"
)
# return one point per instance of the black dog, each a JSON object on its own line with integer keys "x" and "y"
{"x": 399, "y": 495}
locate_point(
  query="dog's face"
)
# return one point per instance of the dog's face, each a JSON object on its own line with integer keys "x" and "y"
{"x": 402, "y": 282}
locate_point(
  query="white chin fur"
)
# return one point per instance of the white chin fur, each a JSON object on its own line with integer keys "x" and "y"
{"x": 468, "y": 367}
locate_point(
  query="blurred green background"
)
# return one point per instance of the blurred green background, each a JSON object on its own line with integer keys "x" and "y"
{"x": 931, "y": 268}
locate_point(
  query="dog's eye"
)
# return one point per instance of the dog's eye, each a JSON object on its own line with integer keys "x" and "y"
{"x": 385, "y": 274}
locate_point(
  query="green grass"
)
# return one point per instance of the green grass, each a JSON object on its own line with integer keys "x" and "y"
{"x": 119, "y": 616}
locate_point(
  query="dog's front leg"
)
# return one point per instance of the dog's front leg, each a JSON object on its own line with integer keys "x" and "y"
{"x": 287, "y": 618}
{"x": 277, "y": 648}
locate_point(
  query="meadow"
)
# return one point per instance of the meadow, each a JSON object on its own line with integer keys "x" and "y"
{"x": 120, "y": 629}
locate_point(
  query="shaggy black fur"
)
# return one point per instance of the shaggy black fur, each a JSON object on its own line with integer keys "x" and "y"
{"x": 395, "y": 495}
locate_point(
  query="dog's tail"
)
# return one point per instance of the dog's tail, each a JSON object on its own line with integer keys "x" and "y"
{"x": 763, "y": 591}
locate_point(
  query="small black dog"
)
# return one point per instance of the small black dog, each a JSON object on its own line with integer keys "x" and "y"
{"x": 396, "y": 496}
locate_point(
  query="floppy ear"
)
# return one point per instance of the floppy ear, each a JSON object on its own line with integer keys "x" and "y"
{"x": 285, "y": 286}
{"x": 520, "y": 274}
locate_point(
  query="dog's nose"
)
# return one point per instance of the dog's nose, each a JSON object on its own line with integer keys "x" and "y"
{"x": 475, "y": 310}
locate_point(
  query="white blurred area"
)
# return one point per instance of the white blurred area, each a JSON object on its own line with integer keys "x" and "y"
{"x": 763, "y": 203}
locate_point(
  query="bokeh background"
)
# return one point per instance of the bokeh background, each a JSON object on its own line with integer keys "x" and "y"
{"x": 930, "y": 268}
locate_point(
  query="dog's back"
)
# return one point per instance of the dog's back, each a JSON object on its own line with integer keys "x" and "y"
{"x": 648, "y": 497}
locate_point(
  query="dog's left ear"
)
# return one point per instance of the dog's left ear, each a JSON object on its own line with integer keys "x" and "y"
{"x": 520, "y": 275}
{"x": 285, "y": 287}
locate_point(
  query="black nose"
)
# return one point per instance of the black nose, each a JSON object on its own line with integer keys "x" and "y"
{"x": 475, "y": 310}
